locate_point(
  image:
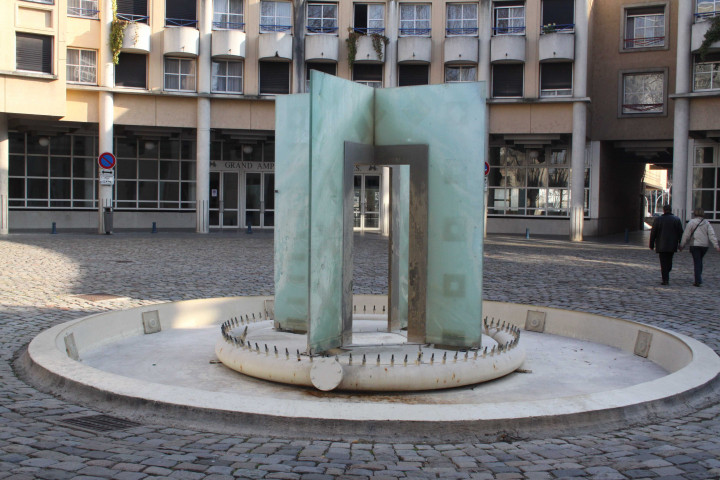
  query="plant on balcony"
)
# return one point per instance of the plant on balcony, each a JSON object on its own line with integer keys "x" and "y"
{"x": 711, "y": 36}
{"x": 549, "y": 28}
{"x": 117, "y": 33}
{"x": 378, "y": 41}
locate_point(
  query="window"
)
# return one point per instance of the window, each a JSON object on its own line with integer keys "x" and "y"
{"x": 413, "y": 75}
{"x": 556, "y": 79}
{"x": 180, "y": 74}
{"x": 369, "y": 74}
{"x": 180, "y": 13}
{"x": 33, "y": 52}
{"x": 369, "y": 18}
{"x": 707, "y": 9}
{"x": 706, "y": 181}
{"x": 132, "y": 10}
{"x": 460, "y": 73}
{"x": 558, "y": 16}
{"x": 82, "y": 66}
{"x": 227, "y": 77}
{"x": 274, "y": 78}
{"x": 643, "y": 93}
{"x": 509, "y": 18}
{"x": 462, "y": 19}
{"x": 322, "y": 18}
{"x": 414, "y": 19}
{"x": 131, "y": 70}
{"x": 228, "y": 15}
{"x": 275, "y": 16}
{"x": 706, "y": 74}
{"x": 52, "y": 171}
{"x": 329, "y": 68}
{"x": 507, "y": 80}
{"x": 83, "y": 8}
{"x": 644, "y": 27}
{"x": 526, "y": 181}
{"x": 154, "y": 174}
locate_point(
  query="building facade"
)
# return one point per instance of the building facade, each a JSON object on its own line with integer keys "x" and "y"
{"x": 588, "y": 102}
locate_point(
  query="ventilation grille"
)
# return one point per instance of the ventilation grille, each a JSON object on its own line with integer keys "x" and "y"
{"x": 99, "y": 423}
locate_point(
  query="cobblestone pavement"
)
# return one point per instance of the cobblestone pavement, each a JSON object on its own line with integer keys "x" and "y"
{"x": 40, "y": 276}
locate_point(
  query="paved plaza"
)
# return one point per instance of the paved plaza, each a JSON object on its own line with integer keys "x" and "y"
{"x": 42, "y": 276}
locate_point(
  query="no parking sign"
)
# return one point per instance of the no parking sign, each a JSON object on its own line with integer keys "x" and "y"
{"x": 106, "y": 160}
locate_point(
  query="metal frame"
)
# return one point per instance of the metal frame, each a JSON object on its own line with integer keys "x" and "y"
{"x": 417, "y": 157}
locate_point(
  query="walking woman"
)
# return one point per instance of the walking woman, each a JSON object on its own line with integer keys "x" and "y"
{"x": 699, "y": 234}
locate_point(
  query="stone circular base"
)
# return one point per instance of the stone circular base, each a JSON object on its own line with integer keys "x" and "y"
{"x": 376, "y": 360}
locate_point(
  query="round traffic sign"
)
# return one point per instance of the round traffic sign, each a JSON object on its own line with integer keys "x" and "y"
{"x": 487, "y": 168}
{"x": 106, "y": 160}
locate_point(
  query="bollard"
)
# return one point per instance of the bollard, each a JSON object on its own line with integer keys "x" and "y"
{"x": 527, "y": 234}
{"x": 627, "y": 235}
{"x": 54, "y": 229}
{"x": 154, "y": 227}
{"x": 248, "y": 222}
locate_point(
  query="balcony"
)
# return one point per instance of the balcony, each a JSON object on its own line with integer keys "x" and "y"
{"x": 136, "y": 38}
{"x": 507, "y": 48}
{"x": 461, "y": 49}
{"x": 414, "y": 49}
{"x": 275, "y": 45}
{"x": 557, "y": 46}
{"x": 366, "y": 51}
{"x": 181, "y": 41}
{"x": 698, "y": 35}
{"x": 322, "y": 47}
{"x": 228, "y": 44}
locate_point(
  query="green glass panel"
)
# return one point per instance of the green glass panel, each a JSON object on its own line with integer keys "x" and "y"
{"x": 455, "y": 134}
{"x": 292, "y": 177}
{"x": 340, "y": 111}
{"x": 401, "y": 241}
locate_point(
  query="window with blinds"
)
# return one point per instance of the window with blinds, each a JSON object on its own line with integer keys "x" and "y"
{"x": 33, "y": 53}
{"x": 132, "y": 10}
{"x": 274, "y": 78}
{"x": 413, "y": 75}
{"x": 556, "y": 79}
{"x": 131, "y": 71}
{"x": 507, "y": 80}
{"x": 180, "y": 13}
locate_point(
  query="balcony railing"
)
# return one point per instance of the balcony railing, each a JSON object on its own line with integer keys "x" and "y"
{"x": 275, "y": 28}
{"x": 132, "y": 18}
{"x": 562, "y": 28}
{"x": 322, "y": 29}
{"x": 642, "y": 42}
{"x": 369, "y": 31}
{"x": 228, "y": 25}
{"x": 180, "y": 22}
{"x": 415, "y": 31}
{"x": 509, "y": 30}
{"x": 642, "y": 107}
{"x": 82, "y": 12}
{"x": 461, "y": 31}
{"x": 699, "y": 17}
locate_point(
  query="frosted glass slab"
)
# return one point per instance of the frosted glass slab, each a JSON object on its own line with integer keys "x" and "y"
{"x": 292, "y": 202}
{"x": 449, "y": 118}
{"x": 340, "y": 111}
{"x": 400, "y": 244}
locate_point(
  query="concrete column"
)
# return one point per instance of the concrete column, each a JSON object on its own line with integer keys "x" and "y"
{"x": 682, "y": 111}
{"x": 385, "y": 216}
{"x": 579, "y": 133}
{"x": 4, "y": 174}
{"x": 202, "y": 140}
{"x": 105, "y": 106}
{"x": 391, "y": 31}
{"x": 298, "y": 64}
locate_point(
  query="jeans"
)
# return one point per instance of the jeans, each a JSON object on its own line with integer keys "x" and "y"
{"x": 698, "y": 253}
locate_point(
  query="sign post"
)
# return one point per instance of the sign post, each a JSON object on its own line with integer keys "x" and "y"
{"x": 106, "y": 178}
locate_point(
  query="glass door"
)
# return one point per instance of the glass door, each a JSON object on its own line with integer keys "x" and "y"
{"x": 260, "y": 199}
{"x": 224, "y": 200}
{"x": 366, "y": 202}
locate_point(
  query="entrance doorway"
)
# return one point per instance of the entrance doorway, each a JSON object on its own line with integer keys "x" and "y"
{"x": 366, "y": 202}
{"x": 260, "y": 199}
{"x": 224, "y": 199}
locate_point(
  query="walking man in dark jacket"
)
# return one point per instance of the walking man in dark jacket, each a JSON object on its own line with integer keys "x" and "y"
{"x": 665, "y": 237}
